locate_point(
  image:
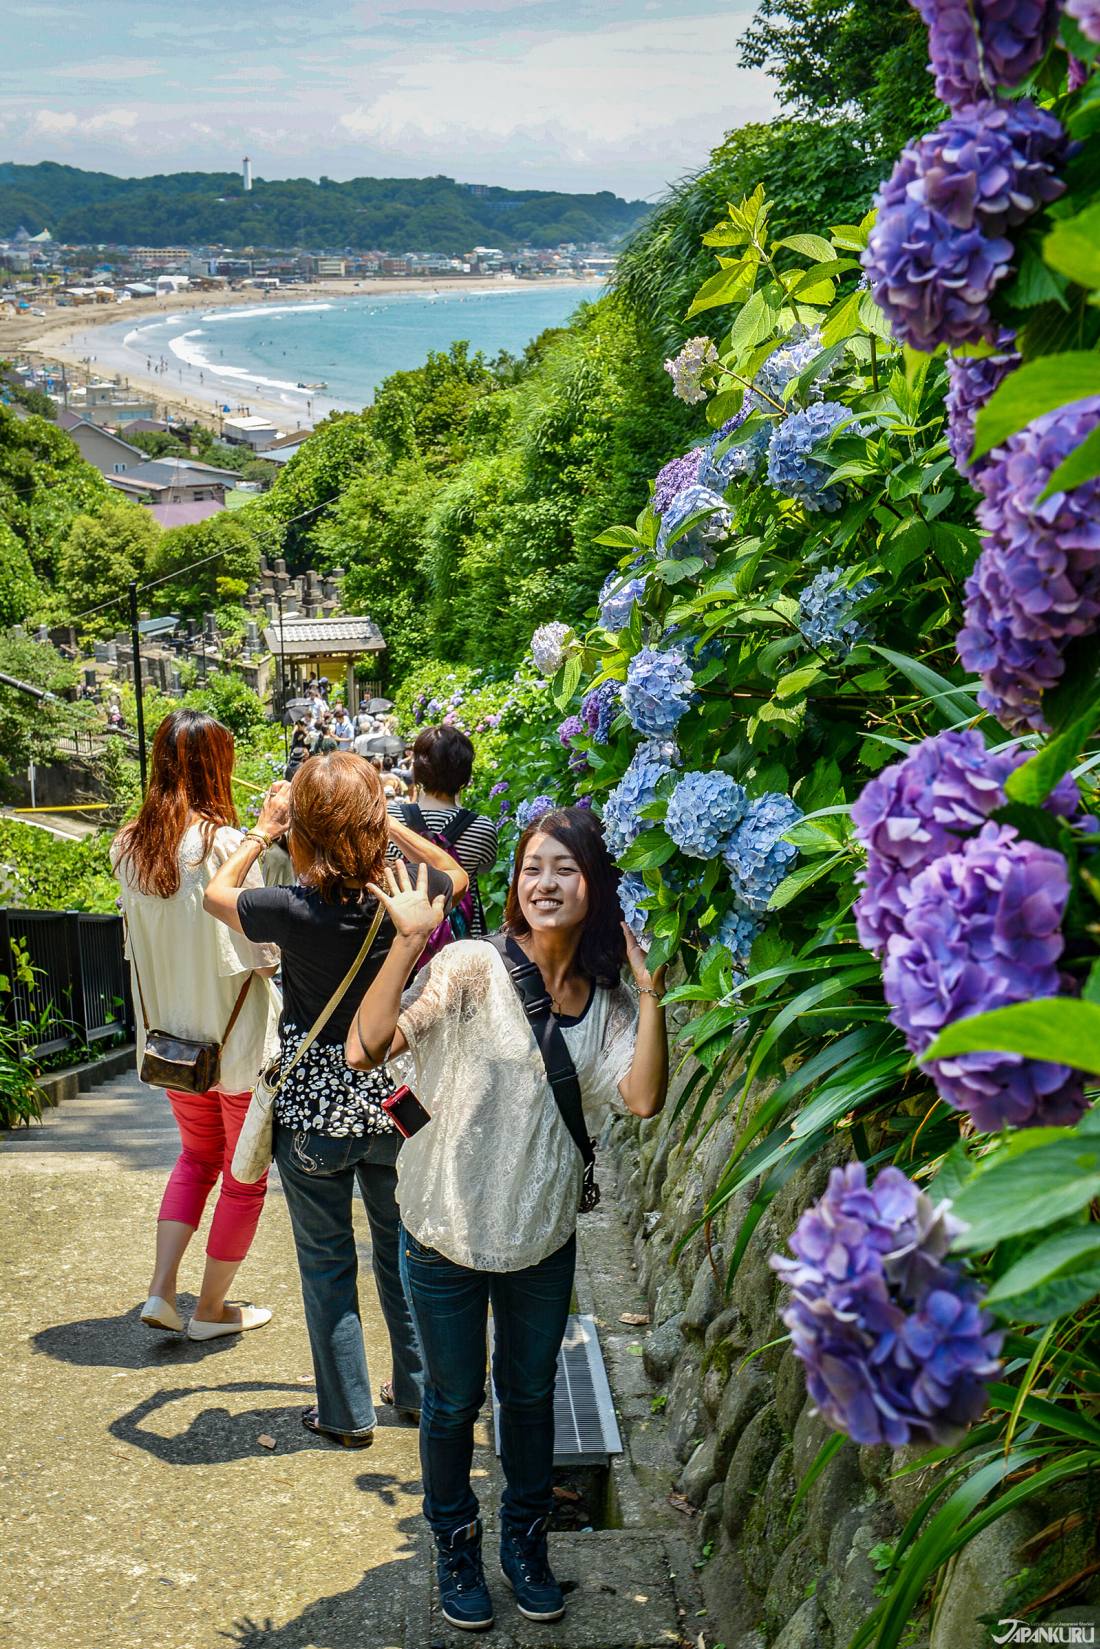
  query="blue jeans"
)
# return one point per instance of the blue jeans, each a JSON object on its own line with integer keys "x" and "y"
{"x": 450, "y": 1304}
{"x": 319, "y": 1174}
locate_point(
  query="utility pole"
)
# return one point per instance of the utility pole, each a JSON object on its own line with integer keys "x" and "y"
{"x": 282, "y": 674}
{"x": 135, "y": 637}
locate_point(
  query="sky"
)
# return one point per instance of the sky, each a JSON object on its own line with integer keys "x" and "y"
{"x": 626, "y": 95}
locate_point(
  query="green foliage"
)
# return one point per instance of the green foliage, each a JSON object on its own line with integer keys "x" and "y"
{"x": 230, "y": 699}
{"x": 44, "y": 484}
{"x": 43, "y": 873}
{"x": 28, "y": 727}
{"x": 391, "y": 214}
{"x": 226, "y": 546}
{"x": 99, "y": 556}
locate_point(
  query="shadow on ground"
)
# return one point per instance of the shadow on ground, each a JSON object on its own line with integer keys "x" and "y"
{"x": 379, "y": 1610}
{"x": 126, "y": 1342}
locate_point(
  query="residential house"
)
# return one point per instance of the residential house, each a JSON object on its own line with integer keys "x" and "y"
{"x": 107, "y": 453}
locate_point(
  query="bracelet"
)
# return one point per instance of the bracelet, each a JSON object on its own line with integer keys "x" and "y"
{"x": 647, "y": 990}
{"x": 258, "y": 836}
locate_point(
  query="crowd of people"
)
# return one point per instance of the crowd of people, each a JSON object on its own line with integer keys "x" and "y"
{"x": 354, "y": 999}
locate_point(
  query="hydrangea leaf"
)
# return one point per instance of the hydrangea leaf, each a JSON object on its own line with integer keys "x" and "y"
{"x": 1054, "y": 1278}
{"x": 1036, "y": 387}
{"x": 1059, "y": 1029}
{"x": 1082, "y": 465}
{"x": 794, "y": 884}
{"x": 1073, "y": 247}
{"x": 810, "y": 246}
{"x": 794, "y": 684}
{"x": 621, "y": 538}
{"x": 1026, "y": 1193}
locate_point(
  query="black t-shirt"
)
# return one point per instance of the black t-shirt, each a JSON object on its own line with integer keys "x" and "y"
{"x": 319, "y": 943}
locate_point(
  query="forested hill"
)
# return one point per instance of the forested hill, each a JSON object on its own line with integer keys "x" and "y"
{"x": 385, "y": 214}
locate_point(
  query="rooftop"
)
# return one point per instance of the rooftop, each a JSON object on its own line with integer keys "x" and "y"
{"x": 305, "y": 637}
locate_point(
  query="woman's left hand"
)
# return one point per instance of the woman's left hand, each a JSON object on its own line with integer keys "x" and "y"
{"x": 636, "y": 956}
{"x": 275, "y": 812}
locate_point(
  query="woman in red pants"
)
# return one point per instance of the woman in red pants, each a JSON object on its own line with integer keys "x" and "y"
{"x": 189, "y": 974}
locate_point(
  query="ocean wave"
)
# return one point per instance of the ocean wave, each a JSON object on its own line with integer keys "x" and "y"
{"x": 192, "y": 354}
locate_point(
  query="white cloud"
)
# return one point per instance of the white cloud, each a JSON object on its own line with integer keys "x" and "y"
{"x": 112, "y": 120}
{"x": 51, "y": 123}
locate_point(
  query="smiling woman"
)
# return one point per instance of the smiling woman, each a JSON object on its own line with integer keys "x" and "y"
{"x": 521, "y": 1047}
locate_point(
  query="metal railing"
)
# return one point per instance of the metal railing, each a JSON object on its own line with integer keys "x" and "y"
{"x": 79, "y": 992}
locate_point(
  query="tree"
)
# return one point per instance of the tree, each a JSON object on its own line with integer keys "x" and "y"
{"x": 230, "y": 699}
{"x": 29, "y": 727}
{"x": 44, "y": 483}
{"x": 194, "y": 560}
{"x": 99, "y": 557}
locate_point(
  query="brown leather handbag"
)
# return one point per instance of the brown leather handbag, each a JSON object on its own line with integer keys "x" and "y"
{"x": 178, "y": 1062}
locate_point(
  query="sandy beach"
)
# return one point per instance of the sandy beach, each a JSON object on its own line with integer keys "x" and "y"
{"x": 68, "y": 337}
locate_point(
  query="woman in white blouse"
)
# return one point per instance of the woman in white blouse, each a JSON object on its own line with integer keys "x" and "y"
{"x": 489, "y": 1190}
{"x": 189, "y": 971}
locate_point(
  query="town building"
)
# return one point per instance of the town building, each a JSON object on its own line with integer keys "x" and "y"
{"x": 107, "y": 453}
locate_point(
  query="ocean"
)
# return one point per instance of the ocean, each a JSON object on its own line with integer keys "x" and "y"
{"x": 280, "y": 353}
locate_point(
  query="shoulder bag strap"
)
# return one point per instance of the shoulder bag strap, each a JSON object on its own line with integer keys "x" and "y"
{"x": 454, "y": 830}
{"x": 335, "y": 999}
{"x": 561, "y": 1073}
{"x": 237, "y": 1006}
{"x": 137, "y": 976}
{"x": 413, "y": 818}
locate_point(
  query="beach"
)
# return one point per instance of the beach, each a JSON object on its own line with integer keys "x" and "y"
{"x": 76, "y": 339}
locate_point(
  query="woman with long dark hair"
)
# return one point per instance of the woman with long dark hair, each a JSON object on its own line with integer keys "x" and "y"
{"x": 194, "y": 979}
{"x": 489, "y": 1189}
{"x": 330, "y": 1131}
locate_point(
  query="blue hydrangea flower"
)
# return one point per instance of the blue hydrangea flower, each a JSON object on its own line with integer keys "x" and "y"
{"x": 892, "y": 1335}
{"x": 632, "y": 889}
{"x": 757, "y": 858}
{"x": 598, "y": 710}
{"x": 702, "y": 813}
{"x": 658, "y": 750}
{"x": 791, "y": 470}
{"x": 823, "y": 608}
{"x": 705, "y": 533}
{"x": 617, "y": 600}
{"x": 788, "y": 361}
{"x": 528, "y": 812}
{"x": 658, "y": 690}
{"x": 737, "y": 931}
{"x": 635, "y": 790}
{"x": 688, "y": 645}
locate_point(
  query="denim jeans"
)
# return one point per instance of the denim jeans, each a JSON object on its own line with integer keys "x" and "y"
{"x": 450, "y": 1304}
{"x": 319, "y": 1174}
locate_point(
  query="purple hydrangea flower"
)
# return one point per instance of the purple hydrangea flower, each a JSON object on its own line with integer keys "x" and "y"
{"x": 1036, "y": 584}
{"x": 688, "y": 367}
{"x": 756, "y": 855}
{"x": 617, "y": 600}
{"x": 1086, "y": 14}
{"x": 598, "y": 710}
{"x": 434, "y": 707}
{"x": 971, "y": 381}
{"x": 982, "y": 930}
{"x": 938, "y": 247}
{"x": 621, "y": 810}
{"x": 705, "y": 533}
{"x": 570, "y": 729}
{"x": 925, "y": 806}
{"x": 823, "y": 609}
{"x": 702, "y": 813}
{"x": 892, "y": 1335}
{"x": 499, "y": 789}
{"x": 494, "y": 721}
{"x": 658, "y": 690}
{"x": 791, "y": 469}
{"x": 677, "y": 474}
{"x": 528, "y": 812}
{"x": 548, "y": 647}
{"x": 978, "y": 45}
{"x": 585, "y": 802}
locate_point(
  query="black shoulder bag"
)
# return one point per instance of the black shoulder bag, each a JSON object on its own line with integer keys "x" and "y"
{"x": 561, "y": 1073}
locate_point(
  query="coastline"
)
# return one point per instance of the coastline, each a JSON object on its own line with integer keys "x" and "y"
{"x": 62, "y": 338}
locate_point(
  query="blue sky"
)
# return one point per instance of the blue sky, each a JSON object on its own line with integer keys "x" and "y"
{"x": 597, "y": 94}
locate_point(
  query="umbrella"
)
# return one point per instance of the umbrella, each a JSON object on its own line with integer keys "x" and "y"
{"x": 379, "y": 707}
{"x": 385, "y": 745}
{"x": 294, "y": 709}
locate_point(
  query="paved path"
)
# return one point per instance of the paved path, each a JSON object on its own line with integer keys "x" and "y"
{"x": 139, "y": 1509}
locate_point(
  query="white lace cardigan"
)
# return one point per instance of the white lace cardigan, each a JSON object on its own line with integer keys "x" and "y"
{"x": 495, "y": 1179}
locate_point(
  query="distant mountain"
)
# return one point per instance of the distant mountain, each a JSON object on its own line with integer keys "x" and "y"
{"x": 385, "y": 214}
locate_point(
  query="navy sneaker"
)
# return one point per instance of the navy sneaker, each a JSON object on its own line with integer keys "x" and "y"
{"x": 463, "y": 1594}
{"x": 526, "y": 1567}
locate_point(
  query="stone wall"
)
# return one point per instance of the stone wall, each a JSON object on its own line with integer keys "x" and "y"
{"x": 738, "y": 1421}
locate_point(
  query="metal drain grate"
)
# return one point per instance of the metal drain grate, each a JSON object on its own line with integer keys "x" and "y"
{"x": 586, "y": 1432}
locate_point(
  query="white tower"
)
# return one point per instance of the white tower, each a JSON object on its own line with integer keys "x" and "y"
{"x": 247, "y": 172}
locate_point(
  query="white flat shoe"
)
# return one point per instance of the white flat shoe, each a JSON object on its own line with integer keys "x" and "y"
{"x": 157, "y": 1313}
{"x": 252, "y": 1316}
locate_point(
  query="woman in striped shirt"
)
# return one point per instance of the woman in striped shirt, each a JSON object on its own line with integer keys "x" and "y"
{"x": 443, "y": 759}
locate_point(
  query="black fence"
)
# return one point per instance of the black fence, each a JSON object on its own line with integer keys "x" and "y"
{"x": 68, "y": 976}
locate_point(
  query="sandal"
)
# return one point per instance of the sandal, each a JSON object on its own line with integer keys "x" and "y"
{"x": 410, "y": 1417}
{"x": 349, "y": 1439}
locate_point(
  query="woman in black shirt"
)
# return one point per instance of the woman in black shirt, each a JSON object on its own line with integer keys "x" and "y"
{"x": 329, "y": 1127}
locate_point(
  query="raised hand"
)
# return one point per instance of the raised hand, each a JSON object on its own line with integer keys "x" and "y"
{"x": 275, "y": 812}
{"x": 413, "y": 915}
{"x": 639, "y": 966}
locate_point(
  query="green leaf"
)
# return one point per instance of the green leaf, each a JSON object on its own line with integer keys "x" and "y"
{"x": 1059, "y": 1028}
{"x": 953, "y": 1174}
{"x": 1077, "y": 44}
{"x": 621, "y": 538}
{"x": 842, "y": 321}
{"x": 1073, "y": 247}
{"x": 830, "y": 1447}
{"x": 1025, "y": 1192}
{"x": 1036, "y": 387}
{"x": 795, "y": 683}
{"x": 1033, "y": 782}
{"x": 951, "y": 701}
{"x": 1052, "y": 1279}
{"x": 648, "y": 850}
{"x": 810, "y": 246}
{"x": 794, "y": 884}
{"x": 569, "y": 675}
{"x": 723, "y": 406}
{"x": 1082, "y": 464}
{"x": 726, "y": 287}
{"x": 755, "y": 321}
